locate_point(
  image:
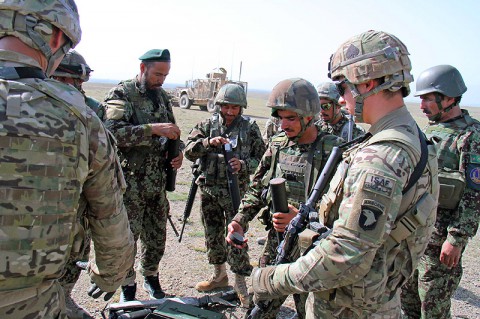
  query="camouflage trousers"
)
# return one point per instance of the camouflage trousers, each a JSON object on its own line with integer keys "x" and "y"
{"x": 147, "y": 214}
{"x": 325, "y": 309}
{"x": 267, "y": 258}
{"x": 429, "y": 291}
{"x": 46, "y": 301}
{"x": 217, "y": 212}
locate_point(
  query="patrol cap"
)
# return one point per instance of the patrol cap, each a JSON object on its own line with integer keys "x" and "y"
{"x": 156, "y": 55}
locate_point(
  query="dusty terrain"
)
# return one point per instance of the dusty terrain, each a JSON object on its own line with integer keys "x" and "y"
{"x": 185, "y": 263}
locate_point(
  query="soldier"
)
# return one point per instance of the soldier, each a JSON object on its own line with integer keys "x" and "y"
{"x": 205, "y": 142}
{"x": 381, "y": 199}
{"x": 334, "y": 120}
{"x": 138, "y": 112}
{"x": 296, "y": 154}
{"x": 272, "y": 127}
{"x": 55, "y": 151}
{"x": 74, "y": 70}
{"x": 428, "y": 293}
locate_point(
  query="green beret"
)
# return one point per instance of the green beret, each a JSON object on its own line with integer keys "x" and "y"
{"x": 156, "y": 55}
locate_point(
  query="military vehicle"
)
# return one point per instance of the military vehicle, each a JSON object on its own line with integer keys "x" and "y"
{"x": 202, "y": 92}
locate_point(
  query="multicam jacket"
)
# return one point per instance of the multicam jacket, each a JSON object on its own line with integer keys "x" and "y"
{"x": 54, "y": 149}
{"x": 358, "y": 266}
{"x": 247, "y": 145}
{"x": 128, "y": 114}
{"x": 287, "y": 159}
{"x": 458, "y": 151}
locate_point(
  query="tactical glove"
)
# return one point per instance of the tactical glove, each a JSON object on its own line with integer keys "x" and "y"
{"x": 262, "y": 284}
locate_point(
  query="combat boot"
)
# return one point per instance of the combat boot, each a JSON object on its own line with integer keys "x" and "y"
{"x": 74, "y": 311}
{"x": 240, "y": 287}
{"x": 128, "y": 293}
{"x": 153, "y": 288}
{"x": 219, "y": 279}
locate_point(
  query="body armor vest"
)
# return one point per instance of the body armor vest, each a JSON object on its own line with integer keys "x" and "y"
{"x": 214, "y": 168}
{"x": 452, "y": 181}
{"x": 293, "y": 165}
{"x": 145, "y": 110}
{"x": 43, "y": 158}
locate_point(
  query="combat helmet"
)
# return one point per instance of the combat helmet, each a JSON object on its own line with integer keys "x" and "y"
{"x": 372, "y": 55}
{"x": 328, "y": 90}
{"x": 32, "y": 22}
{"x": 73, "y": 65}
{"x": 444, "y": 79}
{"x": 441, "y": 80}
{"x": 231, "y": 93}
{"x": 295, "y": 94}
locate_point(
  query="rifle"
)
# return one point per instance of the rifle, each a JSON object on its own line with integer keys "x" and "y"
{"x": 191, "y": 196}
{"x": 299, "y": 223}
{"x": 172, "y": 152}
{"x": 232, "y": 178}
{"x": 141, "y": 308}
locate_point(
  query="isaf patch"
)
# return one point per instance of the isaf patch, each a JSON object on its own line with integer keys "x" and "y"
{"x": 370, "y": 213}
{"x": 379, "y": 185}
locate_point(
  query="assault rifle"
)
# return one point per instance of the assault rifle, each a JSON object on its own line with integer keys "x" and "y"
{"x": 191, "y": 196}
{"x": 232, "y": 177}
{"x": 300, "y": 221}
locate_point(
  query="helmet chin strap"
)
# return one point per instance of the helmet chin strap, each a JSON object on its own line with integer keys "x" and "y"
{"x": 302, "y": 130}
{"x": 438, "y": 100}
{"x": 337, "y": 115}
{"x": 30, "y": 24}
{"x": 360, "y": 98}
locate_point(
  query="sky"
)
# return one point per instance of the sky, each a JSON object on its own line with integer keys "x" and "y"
{"x": 273, "y": 40}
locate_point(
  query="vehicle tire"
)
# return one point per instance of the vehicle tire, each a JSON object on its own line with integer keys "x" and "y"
{"x": 211, "y": 106}
{"x": 184, "y": 102}
{"x": 203, "y": 107}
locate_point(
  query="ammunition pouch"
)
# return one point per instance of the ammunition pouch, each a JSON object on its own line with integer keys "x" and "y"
{"x": 306, "y": 239}
{"x": 452, "y": 185}
{"x": 214, "y": 169}
{"x": 415, "y": 217}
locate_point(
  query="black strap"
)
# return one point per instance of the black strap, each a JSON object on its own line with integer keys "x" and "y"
{"x": 418, "y": 170}
{"x": 15, "y": 73}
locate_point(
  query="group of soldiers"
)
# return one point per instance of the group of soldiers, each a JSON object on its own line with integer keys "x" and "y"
{"x": 395, "y": 217}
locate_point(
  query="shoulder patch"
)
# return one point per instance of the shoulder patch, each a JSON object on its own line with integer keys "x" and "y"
{"x": 473, "y": 176}
{"x": 379, "y": 185}
{"x": 114, "y": 109}
{"x": 370, "y": 213}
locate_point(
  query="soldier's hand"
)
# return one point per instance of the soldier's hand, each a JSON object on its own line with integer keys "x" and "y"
{"x": 177, "y": 161}
{"x": 281, "y": 220}
{"x": 235, "y": 164}
{"x": 262, "y": 284}
{"x": 235, "y": 227}
{"x": 450, "y": 255}
{"x": 94, "y": 291}
{"x": 169, "y": 130}
{"x": 218, "y": 141}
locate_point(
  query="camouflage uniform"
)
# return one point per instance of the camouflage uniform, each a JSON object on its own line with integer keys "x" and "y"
{"x": 288, "y": 154}
{"x": 58, "y": 150}
{"x": 128, "y": 110}
{"x": 341, "y": 127}
{"x": 216, "y": 205}
{"x": 272, "y": 127}
{"x": 428, "y": 293}
{"x": 380, "y": 214}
